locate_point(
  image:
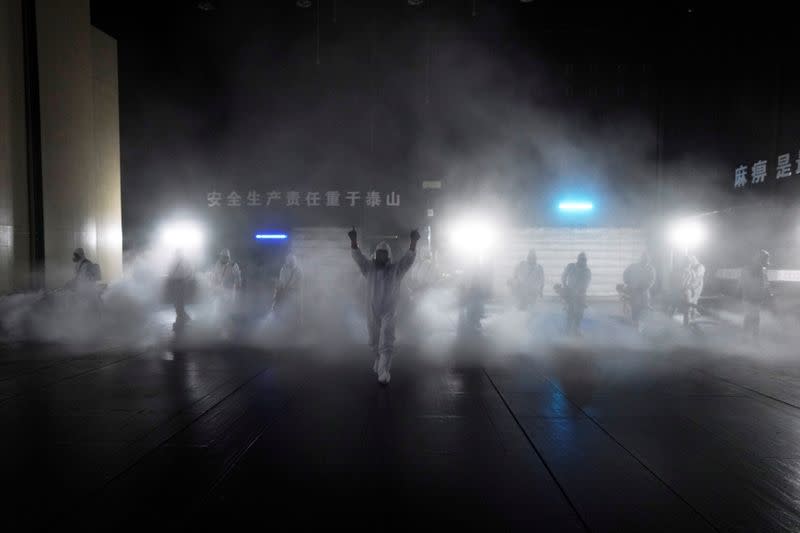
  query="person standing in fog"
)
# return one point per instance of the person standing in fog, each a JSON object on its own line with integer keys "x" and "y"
{"x": 755, "y": 290}
{"x": 575, "y": 281}
{"x": 180, "y": 289}
{"x": 383, "y": 283}
{"x": 226, "y": 278}
{"x": 527, "y": 283}
{"x": 286, "y": 300}
{"x": 696, "y": 279}
{"x": 639, "y": 278}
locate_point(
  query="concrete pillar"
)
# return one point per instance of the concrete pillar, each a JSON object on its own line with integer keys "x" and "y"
{"x": 14, "y": 235}
{"x": 69, "y": 136}
{"x": 66, "y": 107}
{"x": 108, "y": 201}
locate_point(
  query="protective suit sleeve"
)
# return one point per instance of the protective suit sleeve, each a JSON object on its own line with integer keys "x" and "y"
{"x": 361, "y": 261}
{"x": 698, "y": 278}
{"x": 237, "y": 276}
{"x": 564, "y": 275}
{"x": 283, "y": 277}
{"x": 405, "y": 262}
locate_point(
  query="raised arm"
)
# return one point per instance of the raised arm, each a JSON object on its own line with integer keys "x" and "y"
{"x": 408, "y": 258}
{"x": 355, "y": 251}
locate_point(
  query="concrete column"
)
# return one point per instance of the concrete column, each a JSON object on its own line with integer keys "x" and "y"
{"x": 14, "y": 230}
{"x": 66, "y": 107}
{"x": 108, "y": 202}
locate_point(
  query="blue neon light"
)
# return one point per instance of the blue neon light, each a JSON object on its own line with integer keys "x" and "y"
{"x": 576, "y": 206}
{"x": 271, "y": 236}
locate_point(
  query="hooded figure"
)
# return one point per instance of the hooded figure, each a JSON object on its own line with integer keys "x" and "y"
{"x": 755, "y": 289}
{"x": 527, "y": 283}
{"x": 639, "y": 278}
{"x": 679, "y": 286}
{"x": 226, "y": 278}
{"x": 85, "y": 270}
{"x": 696, "y": 280}
{"x": 383, "y": 283}
{"x": 84, "y": 283}
{"x": 180, "y": 288}
{"x": 575, "y": 281}
{"x": 226, "y": 274}
{"x": 286, "y": 299}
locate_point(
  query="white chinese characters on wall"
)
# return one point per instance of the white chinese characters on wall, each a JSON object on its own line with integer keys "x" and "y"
{"x": 760, "y": 171}
{"x": 291, "y": 199}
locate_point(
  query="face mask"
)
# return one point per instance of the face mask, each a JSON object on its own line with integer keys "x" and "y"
{"x": 381, "y": 258}
{"x": 224, "y": 260}
{"x": 75, "y": 258}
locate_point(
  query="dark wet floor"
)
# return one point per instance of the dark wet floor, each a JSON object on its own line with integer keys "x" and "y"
{"x": 228, "y": 436}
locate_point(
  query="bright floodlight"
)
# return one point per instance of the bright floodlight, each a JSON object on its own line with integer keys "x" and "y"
{"x": 576, "y": 206}
{"x": 687, "y": 234}
{"x": 186, "y": 236}
{"x": 473, "y": 235}
{"x": 271, "y": 236}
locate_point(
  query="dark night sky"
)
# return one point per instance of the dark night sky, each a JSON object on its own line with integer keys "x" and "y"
{"x": 537, "y": 98}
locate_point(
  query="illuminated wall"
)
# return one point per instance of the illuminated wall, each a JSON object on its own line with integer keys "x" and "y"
{"x": 51, "y": 58}
{"x": 14, "y": 236}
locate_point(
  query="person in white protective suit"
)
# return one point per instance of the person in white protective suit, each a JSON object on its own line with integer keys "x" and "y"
{"x": 696, "y": 280}
{"x": 527, "y": 283}
{"x": 639, "y": 278}
{"x": 383, "y": 283}
{"x": 575, "y": 281}
{"x": 226, "y": 277}
{"x": 755, "y": 289}
{"x": 86, "y": 272}
{"x": 679, "y": 286}
{"x": 180, "y": 289}
{"x": 85, "y": 283}
{"x": 286, "y": 299}
{"x": 226, "y": 280}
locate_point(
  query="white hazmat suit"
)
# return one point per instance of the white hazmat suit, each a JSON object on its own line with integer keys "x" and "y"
{"x": 226, "y": 276}
{"x": 575, "y": 280}
{"x": 697, "y": 280}
{"x": 755, "y": 287}
{"x": 383, "y": 283}
{"x": 287, "y": 298}
{"x": 639, "y": 279}
{"x": 226, "y": 279}
{"x": 527, "y": 283}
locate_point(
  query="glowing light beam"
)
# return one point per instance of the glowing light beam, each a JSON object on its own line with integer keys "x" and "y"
{"x": 576, "y": 206}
